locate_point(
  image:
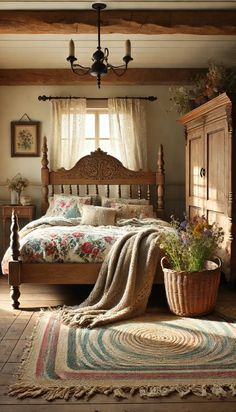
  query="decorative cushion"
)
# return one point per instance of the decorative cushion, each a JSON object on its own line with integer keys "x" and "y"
{"x": 98, "y": 216}
{"x": 106, "y": 201}
{"x": 68, "y": 206}
{"x": 126, "y": 211}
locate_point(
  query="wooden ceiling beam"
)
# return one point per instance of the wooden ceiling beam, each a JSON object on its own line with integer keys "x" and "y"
{"x": 201, "y": 22}
{"x": 20, "y": 77}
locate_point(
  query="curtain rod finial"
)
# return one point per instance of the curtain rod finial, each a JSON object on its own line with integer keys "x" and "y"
{"x": 152, "y": 98}
{"x": 43, "y": 98}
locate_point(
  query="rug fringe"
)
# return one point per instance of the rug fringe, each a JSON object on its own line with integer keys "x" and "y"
{"x": 22, "y": 391}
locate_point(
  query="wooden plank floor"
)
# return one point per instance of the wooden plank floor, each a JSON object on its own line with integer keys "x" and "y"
{"x": 16, "y": 328}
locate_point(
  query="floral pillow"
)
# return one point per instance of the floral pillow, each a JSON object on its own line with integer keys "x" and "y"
{"x": 68, "y": 206}
{"x": 98, "y": 216}
{"x": 126, "y": 211}
{"x": 107, "y": 201}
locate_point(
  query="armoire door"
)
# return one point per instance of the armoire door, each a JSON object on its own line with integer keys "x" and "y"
{"x": 218, "y": 174}
{"x": 195, "y": 172}
{"x": 217, "y": 158}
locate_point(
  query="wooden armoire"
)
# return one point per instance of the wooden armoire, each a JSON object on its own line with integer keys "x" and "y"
{"x": 211, "y": 170}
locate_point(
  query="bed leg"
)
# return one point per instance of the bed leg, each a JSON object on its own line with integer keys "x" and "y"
{"x": 14, "y": 295}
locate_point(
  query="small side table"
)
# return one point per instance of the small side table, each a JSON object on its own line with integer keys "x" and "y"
{"x": 23, "y": 212}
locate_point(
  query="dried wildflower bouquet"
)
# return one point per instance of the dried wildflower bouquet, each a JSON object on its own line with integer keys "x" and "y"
{"x": 191, "y": 243}
{"x": 216, "y": 80}
{"x": 17, "y": 183}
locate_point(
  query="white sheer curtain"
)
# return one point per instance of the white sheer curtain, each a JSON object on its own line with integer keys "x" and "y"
{"x": 128, "y": 131}
{"x": 68, "y": 137}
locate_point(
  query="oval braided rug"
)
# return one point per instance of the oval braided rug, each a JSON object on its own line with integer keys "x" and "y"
{"x": 153, "y": 355}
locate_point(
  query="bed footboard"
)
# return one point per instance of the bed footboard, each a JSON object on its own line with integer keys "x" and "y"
{"x": 14, "y": 264}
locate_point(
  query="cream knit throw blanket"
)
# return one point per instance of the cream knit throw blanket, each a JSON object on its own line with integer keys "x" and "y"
{"x": 124, "y": 282}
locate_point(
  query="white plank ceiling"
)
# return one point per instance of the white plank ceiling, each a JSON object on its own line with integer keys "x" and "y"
{"x": 155, "y": 51}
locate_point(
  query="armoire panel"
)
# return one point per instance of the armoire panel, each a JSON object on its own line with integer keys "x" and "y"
{"x": 196, "y": 181}
{"x": 215, "y": 182}
{"x": 193, "y": 211}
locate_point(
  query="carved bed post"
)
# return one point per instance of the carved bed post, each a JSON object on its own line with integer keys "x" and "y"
{"x": 14, "y": 264}
{"x": 44, "y": 176}
{"x": 160, "y": 180}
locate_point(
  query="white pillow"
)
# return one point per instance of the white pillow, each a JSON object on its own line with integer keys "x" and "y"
{"x": 106, "y": 201}
{"x": 98, "y": 216}
{"x": 126, "y": 211}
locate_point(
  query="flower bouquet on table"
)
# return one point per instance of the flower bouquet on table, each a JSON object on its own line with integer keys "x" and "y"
{"x": 17, "y": 184}
{"x": 191, "y": 269}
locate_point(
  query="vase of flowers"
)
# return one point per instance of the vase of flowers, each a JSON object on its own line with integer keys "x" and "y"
{"x": 191, "y": 269}
{"x": 16, "y": 185}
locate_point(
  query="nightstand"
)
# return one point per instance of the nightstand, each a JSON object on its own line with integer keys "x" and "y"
{"x": 26, "y": 212}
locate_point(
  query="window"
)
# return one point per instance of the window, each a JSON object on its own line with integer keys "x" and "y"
{"x": 117, "y": 126}
{"x": 97, "y": 130}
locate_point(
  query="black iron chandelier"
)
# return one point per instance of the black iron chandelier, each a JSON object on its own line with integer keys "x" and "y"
{"x": 100, "y": 66}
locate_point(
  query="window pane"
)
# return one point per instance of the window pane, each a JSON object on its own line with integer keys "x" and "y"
{"x": 90, "y": 125}
{"x": 104, "y": 130}
{"x": 90, "y": 146}
{"x": 105, "y": 145}
{"x": 97, "y": 131}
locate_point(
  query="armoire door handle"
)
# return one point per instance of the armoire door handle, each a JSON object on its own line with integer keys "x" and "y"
{"x": 202, "y": 172}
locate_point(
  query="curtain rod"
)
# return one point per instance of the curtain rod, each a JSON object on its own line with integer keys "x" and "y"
{"x": 45, "y": 98}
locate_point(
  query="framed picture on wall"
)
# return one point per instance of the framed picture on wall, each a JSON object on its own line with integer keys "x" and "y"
{"x": 25, "y": 138}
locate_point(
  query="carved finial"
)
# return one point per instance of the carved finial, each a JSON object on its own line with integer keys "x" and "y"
{"x": 160, "y": 159}
{"x": 160, "y": 180}
{"x": 98, "y": 151}
{"x": 44, "y": 176}
{"x": 44, "y": 161}
{"x": 14, "y": 237}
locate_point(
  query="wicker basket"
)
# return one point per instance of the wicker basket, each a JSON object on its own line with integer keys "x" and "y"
{"x": 192, "y": 293}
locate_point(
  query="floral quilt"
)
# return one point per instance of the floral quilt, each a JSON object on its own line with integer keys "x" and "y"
{"x": 61, "y": 240}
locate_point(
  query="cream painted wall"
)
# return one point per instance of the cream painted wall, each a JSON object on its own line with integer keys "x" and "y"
{"x": 162, "y": 128}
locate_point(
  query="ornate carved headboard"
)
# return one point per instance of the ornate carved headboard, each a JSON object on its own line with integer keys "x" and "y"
{"x": 101, "y": 169}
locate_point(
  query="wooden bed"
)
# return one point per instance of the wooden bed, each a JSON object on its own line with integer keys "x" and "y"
{"x": 92, "y": 171}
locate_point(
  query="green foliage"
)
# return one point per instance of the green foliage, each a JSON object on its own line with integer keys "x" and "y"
{"x": 191, "y": 243}
{"x": 218, "y": 79}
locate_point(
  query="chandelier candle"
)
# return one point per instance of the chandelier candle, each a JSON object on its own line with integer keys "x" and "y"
{"x": 128, "y": 48}
{"x": 72, "y": 48}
